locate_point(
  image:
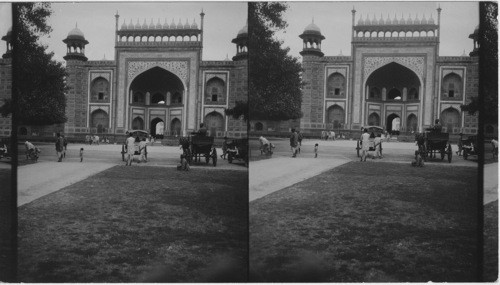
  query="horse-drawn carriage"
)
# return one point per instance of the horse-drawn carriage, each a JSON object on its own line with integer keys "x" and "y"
{"x": 194, "y": 147}
{"x": 237, "y": 149}
{"x": 374, "y": 131}
{"x": 433, "y": 141}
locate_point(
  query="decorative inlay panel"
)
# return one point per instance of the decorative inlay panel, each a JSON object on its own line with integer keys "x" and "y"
{"x": 104, "y": 108}
{"x": 218, "y": 75}
{"x": 179, "y": 68}
{"x": 94, "y": 75}
{"x": 372, "y": 63}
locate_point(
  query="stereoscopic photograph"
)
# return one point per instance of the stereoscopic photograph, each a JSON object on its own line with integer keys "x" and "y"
{"x": 200, "y": 142}
{"x": 121, "y": 122}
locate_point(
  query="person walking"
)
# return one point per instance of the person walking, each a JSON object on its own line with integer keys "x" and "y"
{"x": 65, "y": 145}
{"x": 300, "y": 137}
{"x": 316, "y": 150}
{"x": 81, "y": 154}
{"x": 365, "y": 144}
{"x": 378, "y": 146}
{"x": 142, "y": 150}
{"x": 294, "y": 142}
{"x": 59, "y": 147}
{"x": 130, "y": 144}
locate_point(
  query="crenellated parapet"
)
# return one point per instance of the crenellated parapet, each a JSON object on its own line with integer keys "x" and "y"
{"x": 158, "y": 32}
{"x": 402, "y": 28}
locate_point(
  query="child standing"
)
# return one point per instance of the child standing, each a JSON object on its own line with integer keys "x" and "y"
{"x": 315, "y": 150}
{"x": 81, "y": 154}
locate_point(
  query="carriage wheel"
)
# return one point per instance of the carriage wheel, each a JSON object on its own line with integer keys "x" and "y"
{"x": 357, "y": 148}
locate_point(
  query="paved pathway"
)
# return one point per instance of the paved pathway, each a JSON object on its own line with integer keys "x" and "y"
{"x": 490, "y": 183}
{"x": 39, "y": 179}
{"x": 270, "y": 175}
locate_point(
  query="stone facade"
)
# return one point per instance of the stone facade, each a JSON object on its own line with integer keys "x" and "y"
{"x": 156, "y": 82}
{"x": 394, "y": 79}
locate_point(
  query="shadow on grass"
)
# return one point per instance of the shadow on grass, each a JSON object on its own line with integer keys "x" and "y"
{"x": 138, "y": 224}
{"x": 368, "y": 222}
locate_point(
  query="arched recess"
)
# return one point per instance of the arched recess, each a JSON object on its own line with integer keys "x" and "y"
{"x": 374, "y": 119}
{"x": 335, "y": 85}
{"x": 99, "y": 90}
{"x": 138, "y": 123}
{"x": 394, "y": 94}
{"x": 157, "y": 98}
{"x": 413, "y": 93}
{"x": 138, "y": 98}
{"x": 450, "y": 118}
{"x": 259, "y": 126}
{"x": 214, "y": 123}
{"x": 375, "y": 93}
{"x": 394, "y": 77}
{"x": 99, "y": 120}
{"x": 215, "y": 91}
{"x": 452, "y": 86}
{"x": 157, "y": 127}
{"x": 393, "y": 123}
{"x": 411, "y": 123}
{"x": 177, "y": 98}
{"x": 175, "y": 127}
{"x": 335, "y": 116}
{"x": 155, "y": 79}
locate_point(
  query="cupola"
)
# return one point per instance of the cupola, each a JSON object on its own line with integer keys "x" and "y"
{"x": 8, "y": 39}
{"x": 241, "y": 42}
{"x": 75, "y": 43}
{"x": 312, "y": 38}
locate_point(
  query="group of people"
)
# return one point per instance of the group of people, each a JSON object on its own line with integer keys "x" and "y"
{"x": 135, "y": 146}
{"x": 366, "y": 141}
{"x": 327, "y": 135}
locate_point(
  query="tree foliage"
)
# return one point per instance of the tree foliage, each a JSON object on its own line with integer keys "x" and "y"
{"x": 239, "y": 110}
{"x": 487, "y": 104}
{"x": 39, "y": 80}
{"x": 274, "y": 76}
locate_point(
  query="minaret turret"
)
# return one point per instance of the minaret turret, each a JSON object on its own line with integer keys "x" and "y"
{"x": 241, "y": 42}
{"x": 8, "y": 39}
{"x": 75, "y": 42}
{"x": 312, "y": 38}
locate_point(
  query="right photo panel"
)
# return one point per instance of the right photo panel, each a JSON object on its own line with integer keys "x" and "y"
{"x": 366, "y": 143}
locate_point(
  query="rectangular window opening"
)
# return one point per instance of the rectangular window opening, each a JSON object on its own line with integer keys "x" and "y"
{"x": 101, "y": 96}
{"x": 451, "y": 93}
{"x": 214, "y": 97}
{"x": 337, "y": 91}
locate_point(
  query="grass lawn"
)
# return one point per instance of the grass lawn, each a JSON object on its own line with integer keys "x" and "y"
{"x": 138, "y": 224}
{"x": 7, "y": 261}
{"x": 373, "y": 222}
{"x": 491, "y": 242}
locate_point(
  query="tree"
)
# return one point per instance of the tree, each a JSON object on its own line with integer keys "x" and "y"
{"x": 39, "y": 81}
{"x": 239, "y": 110}
{"x": 274, "y": 76}
{"x": 487, "y": 102}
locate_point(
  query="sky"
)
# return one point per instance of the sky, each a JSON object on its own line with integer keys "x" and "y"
{"x": 222, "y": 22}
{"x": 458, "y": 20}
{"x": 5, "y": 24}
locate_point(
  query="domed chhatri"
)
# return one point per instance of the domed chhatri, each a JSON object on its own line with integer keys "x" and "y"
{"x": 76, "y": 34}
{"x": 244, "y": 31}
{"x": 312, "y": 29}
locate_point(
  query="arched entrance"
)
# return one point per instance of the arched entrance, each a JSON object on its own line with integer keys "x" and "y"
{"x": 374, "y": 119}
{"x": 335, "y": 116}
{"x": 156, "y": 83}
{"x": 157, "y": 127}
{"x": 393, "y": 123}
{"x": 450, "y": 118}
{"x": 411, "y": 123}
{"x": 138, "y": 124}
{"x": 99, "y": 120}
{"x": 215, "y": 123}
{"x": 175, "y": 127}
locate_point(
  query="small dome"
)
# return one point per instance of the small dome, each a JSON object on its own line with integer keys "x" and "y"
{"x": 310, "y": 29}
{"x": 194, "y": 25}
{"x": 172, "y": 25}
{"x": 76, "y": 34}
{"x": 158, "y": 24}
{"x": 179, "y": 25}
{"x": 124, "y": 25}
{"x": 9, "y": 31}
{"x": 244, "y": 31}
{"x": 187, "y": 25}
{"x": 476, "y": 30}
{"x": 360, "y": 21}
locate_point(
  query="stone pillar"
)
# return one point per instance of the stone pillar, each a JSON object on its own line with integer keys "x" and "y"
{"x": 168, "y": 99}
{"x": 148, "y": 98}
{"x": 384, "y": 94}
{"x": 405, "y": 94}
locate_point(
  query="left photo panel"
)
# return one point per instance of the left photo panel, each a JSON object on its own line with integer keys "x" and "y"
{"x": 7, "y": 195}
{"x": 132, "y": 147}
